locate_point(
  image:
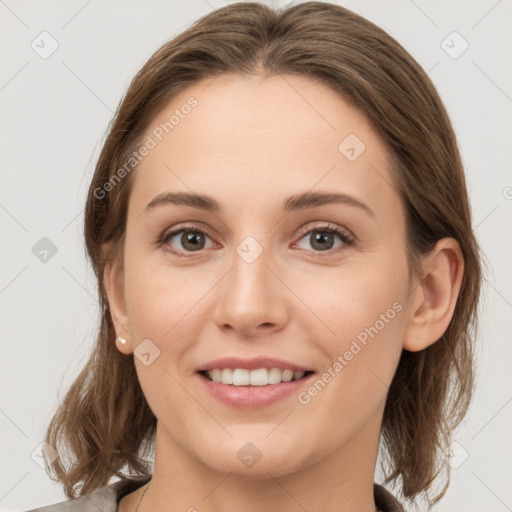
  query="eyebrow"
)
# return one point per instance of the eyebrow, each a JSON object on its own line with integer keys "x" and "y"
{"x": 296, "y": 202}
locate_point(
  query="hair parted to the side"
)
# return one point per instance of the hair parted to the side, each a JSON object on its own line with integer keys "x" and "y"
{"x": 104, "y": 425}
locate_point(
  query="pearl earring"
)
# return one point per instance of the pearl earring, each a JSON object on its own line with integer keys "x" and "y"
{"x": 121, "y": 340}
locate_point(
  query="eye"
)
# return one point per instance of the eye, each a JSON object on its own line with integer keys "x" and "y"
{"x": 323, "y": 238}
{"x": 189, "y": 239}
{"x": 186, "y": 239}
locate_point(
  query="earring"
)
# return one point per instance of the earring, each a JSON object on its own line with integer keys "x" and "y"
{"x": 121, "y": 340}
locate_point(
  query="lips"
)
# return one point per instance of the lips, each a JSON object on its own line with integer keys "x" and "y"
{"x": 256, "y": 382}
{"x": 251, "y": 364}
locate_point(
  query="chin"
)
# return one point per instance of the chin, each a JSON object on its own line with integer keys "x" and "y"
{"x": 264, "y": 468}
{"x": 258, "y": 458}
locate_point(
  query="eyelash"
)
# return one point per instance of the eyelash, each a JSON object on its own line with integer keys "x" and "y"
{"x": 347, "y": 239}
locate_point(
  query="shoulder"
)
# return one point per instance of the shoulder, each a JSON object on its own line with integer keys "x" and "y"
{"x": 385, "y": 501}
{"x": 104, "y": 499}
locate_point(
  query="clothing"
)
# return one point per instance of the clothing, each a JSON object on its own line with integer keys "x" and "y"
{"x": 106, "y": 499}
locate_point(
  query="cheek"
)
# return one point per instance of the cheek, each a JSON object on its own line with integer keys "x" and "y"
{"x": 365, "y": 314}
{"x": 162, "y": 305}
{"x": 159, "y": 299}
{"x": 362, "y": 314}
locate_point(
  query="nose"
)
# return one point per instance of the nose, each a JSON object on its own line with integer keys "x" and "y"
{"x": 251, "y": 299}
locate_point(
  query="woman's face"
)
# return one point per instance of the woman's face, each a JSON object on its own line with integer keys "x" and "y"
{"x": 257, "y": 270}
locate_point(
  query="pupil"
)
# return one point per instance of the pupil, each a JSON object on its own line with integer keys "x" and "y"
{"x": 321, "y": 238}
{"x": 192, "y": 238}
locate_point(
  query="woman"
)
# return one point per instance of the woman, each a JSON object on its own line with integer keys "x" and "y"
{"x": 281, "y": 233}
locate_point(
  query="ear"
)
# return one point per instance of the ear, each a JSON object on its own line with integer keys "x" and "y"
{"x": 433, "y": 299}
{"x": 113, "y": 279}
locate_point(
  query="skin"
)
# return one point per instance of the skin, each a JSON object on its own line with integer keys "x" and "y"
{"x": 251, "y": 142}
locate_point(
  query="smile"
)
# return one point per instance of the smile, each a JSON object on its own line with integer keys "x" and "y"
{"x": 257, "y": 377}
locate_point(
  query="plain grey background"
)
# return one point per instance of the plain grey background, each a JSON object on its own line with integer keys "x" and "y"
{"x": 55, "y": 110}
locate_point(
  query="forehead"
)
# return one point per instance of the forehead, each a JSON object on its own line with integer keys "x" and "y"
{"x": 264, "y": 137}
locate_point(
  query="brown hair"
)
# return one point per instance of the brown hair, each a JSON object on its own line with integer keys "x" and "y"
{"x": 104, "y": 423}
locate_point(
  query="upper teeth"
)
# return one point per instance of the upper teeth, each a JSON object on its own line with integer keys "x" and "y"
{"x": 259, "y": 377}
